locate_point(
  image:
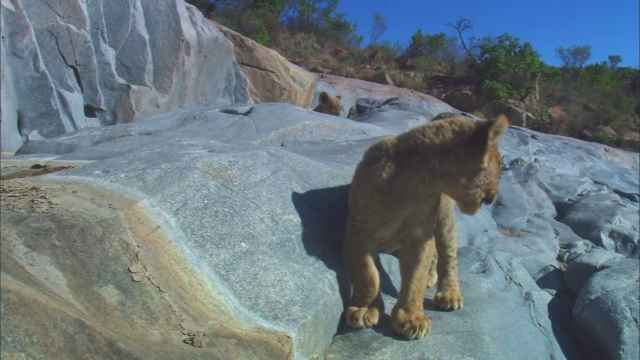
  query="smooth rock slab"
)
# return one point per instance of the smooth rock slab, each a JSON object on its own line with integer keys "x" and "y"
{"x": 86, "y": 273}
{"x": 254, "y": 198}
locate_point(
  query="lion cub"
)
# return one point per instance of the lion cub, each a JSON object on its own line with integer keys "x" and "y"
{"x": 329, "y": 104}
{"x": 402, "y": 197}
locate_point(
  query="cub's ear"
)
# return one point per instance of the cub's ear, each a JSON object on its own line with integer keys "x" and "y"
{"x": 339, "y": 97}
{"x": 324, "y": 97}
{"x": 486, "y": 134}
{"x": 497, "y": 128}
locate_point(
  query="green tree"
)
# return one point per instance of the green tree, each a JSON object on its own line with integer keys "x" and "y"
{"x": 507, "y": 69}
{"x": 207, "y": 7}
{"x": 614, "y": 60}
{"x": 430, "y": 45}
{"x": 320, "y": 17}
{"x": 574, "y": 56}
{"x": 257, "y": 19}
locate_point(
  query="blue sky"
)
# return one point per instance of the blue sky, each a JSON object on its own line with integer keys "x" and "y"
{"x": 610, "y": 27}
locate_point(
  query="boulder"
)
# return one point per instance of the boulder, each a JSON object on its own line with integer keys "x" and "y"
{"x": 215, "y": 231}
{"x": 381, "y": 77}
{"x": 605, "y": 315}
{"x": 74, "y": 64}
{"x": 109, "y": 283}
{"x": 514, "y": 112}
{"x": 271, "y": 76}
{"x": 351, "y": 90}
{"x": 219, "y": 229}
{"x": 465, "y": 100}
{"x": 557, "y": 113}
{"x": 600, "y": 133}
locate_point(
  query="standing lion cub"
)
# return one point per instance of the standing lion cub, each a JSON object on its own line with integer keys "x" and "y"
{"x": 402, "y": 198}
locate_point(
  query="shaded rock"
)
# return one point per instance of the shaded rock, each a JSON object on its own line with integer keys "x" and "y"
{"x": 516, "y": 115}
{"x": 340, "y": 52}
{"x": 253, "y": 198}
{"x": 271, "y": 76}
{"x": 382, "y": 78}
{"x": 74, "y": 64}
{"x": 631, "y": 140}
{"x": 557, "y": 113}
{"x": 605, "y": 315}
{"x": 405, "y": 63}
{"x": 465, "y": 100}
{"x": 606, "y": 219}
{"x": 216, "y": 231}
{"x": 600, "y": 133}
{"x": 351, "y": 90}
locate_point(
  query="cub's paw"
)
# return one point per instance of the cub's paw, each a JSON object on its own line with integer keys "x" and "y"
{"x": 359, "y": 318}
{"x": 448, "y": 299}
{"x": 410, "y": 325}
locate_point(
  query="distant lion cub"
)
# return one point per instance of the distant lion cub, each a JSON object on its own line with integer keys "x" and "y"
{"x": 402, "y": 198}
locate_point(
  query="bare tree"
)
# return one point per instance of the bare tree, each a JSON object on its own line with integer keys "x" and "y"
{"x": 378, "y": 28}
{"x": 461, "y": 25}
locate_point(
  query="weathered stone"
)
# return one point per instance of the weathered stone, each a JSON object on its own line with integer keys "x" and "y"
{"x": 351, "y": 90}
{"x": 215, "y": 231}
{"x": 271, "y": 77}
{"x": 254, "y": 198}
{"x": 108, "y": 282}
{"x": 516, "y": 114}
{"x": 73, "y": 64}
{"x": 605, "y": 315}
{"x": 464, "y": 100}
{"x": 381, "y": 78}
{"x": 600, "y": 133}
{"x": 557, "y": 113}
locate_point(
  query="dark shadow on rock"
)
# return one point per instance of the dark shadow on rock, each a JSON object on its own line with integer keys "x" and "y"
{"x": 560, "y": 312}
{"x": 323, "y": 213}
{"x": 386, "y": 285}
{"x": 430, "y": 305}
{"x": 383, "y": 328}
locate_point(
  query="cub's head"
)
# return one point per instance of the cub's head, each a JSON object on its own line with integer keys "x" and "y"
{"x": 329, "y": 104}
{"x": 478, "y": 180}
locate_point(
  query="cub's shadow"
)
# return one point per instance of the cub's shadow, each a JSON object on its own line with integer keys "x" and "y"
{"x": 323, "y": 213}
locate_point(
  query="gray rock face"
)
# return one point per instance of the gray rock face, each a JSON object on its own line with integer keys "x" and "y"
{"x": 254, "y": 198}
{"x": 605, "y": 315}
{"x": 71, "y": 64}
{"x": 215, "y": 230}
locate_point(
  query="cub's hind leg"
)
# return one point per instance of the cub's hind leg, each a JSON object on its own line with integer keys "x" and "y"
{"x": 448, "y": 296}
{"x": 366, "y": 303}
{"x": 407, "y": 317}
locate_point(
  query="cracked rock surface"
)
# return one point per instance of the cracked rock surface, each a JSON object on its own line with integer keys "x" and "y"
{"x": 72, "y": 64}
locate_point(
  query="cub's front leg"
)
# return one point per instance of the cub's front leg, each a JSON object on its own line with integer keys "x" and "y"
{"x": 448, "y": 296}
{"x": 366, "y": 305}
{"x": 408, "y": 318}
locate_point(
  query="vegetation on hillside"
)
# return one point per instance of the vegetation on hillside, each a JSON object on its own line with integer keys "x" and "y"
{"x": 598, "y": 101}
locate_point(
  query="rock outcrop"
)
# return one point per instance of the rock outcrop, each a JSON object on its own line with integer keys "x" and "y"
{"x": 223, "y": 222}
{"x": 216, "y": 231}
{"x": 373, "y": 94}
{"x": 271, "y": 76}
{"x": 76, "y": 64}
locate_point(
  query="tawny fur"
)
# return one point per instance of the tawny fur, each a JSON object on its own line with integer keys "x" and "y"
{"x": 329, "y": 104}
{"x": 402, "y": 197}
